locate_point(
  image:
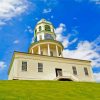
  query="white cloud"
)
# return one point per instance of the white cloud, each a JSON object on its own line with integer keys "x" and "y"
{"x": 62, "y": 38}
{"x": 84, "y": 50}
{"x": 50, "y": 3}
{"x": 48, "y": 10}
{"x": 16, "y": 42}
{"x": 36, "y": 18}
{"x": 12, "y": 8}
{"x": 29, "y": 29}
{"x": 87, "y": 51}
{"x": 2, "y": 65}
{"x": 97, "y": 2}
{"x": 60, "y": 29}
{"x": 2, "y": 23}
{"x": 65, "y": 43}
{"x": 97, "y": 77}
{"x": 52, "y": 17}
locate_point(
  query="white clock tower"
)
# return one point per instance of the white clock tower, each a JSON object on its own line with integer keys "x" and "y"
{"x": 45, "y": 42}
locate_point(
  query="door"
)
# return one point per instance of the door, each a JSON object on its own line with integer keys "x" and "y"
{"x": 58, "y": 72}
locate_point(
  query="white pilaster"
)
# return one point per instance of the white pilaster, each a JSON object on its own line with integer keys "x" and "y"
{"x": 57, "y": 51}
{"x": 48, "y": 50}
{"x": 39, "y": 50}
{"x": 61, "y": 52}
{"x": 32, "y": 51}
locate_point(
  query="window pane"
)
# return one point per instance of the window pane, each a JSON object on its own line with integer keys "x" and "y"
{"x": 40, "y": 67}
{"x": 47, "y": 28}
{"x": 74, "y": 70}
{"x": 86, "y": 71}
{"x": 39, "y": 28}
{"x": 60, "y": 72}
{"x": 24, "y": 66}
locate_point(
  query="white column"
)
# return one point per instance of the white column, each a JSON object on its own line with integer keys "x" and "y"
{"x": 61, "y": 53}
{"x": 39, "y": 50}
{"x": 32, "y": 51}
{"x": 57, "y": 51}
{"x": 48, "y": 50}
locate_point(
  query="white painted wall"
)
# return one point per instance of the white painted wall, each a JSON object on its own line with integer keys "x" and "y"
{"x": 38, "y": 36}
{"x": 49, "y": 65}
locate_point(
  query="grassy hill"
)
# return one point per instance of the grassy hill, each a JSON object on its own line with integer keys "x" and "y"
{"x": 48, "y": 90}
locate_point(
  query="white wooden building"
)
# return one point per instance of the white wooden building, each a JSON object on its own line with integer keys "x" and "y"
{"x": 45, "y": 61}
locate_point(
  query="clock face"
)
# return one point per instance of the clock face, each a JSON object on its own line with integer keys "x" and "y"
{"x": 48, "y": 36}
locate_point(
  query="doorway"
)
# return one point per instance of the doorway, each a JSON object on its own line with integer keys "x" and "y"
{"x": 58, "y": 72}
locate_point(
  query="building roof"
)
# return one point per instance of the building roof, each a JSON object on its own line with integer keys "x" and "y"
{"x": 45, "y": 41}
{"x": 43, "y": 21}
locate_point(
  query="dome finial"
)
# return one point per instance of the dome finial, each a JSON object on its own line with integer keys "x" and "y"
{"x": 44, "y": 21}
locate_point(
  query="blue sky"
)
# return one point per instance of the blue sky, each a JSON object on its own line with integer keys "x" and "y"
{"x": 76, "y": 22}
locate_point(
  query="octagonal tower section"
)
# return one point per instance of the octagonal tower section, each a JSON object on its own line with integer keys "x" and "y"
{"x": 45, "y": 42}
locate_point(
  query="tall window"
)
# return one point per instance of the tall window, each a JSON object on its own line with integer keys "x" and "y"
{"x": 24, "y": 66}
{"x": 86, "y": 71}
{"x": 74, "y": 70}
{"x": 40, "y": 28}
{"x": 40, "y": 67}
{"x": 51, "y": 53}
{"x": 47, "y": 28}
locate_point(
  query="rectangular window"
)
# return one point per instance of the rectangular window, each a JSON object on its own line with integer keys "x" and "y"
{"x": 86, "y": 71}
{"x": 58, "y": 72}
{"x": 74, "y": 70}
{"x": 24, "y": 66}
{"x": 40, "y": 67}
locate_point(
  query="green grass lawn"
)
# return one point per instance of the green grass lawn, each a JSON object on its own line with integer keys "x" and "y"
{"x": 48, "y": 90}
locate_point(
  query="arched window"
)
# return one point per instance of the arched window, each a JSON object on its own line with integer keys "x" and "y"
{"x": 40, "y": 28}
{"x": 47, "y": 28}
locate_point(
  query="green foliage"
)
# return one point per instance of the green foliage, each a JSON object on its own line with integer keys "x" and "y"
{"x": 48, "y": 90}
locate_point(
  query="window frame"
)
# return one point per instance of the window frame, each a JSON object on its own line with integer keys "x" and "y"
{"x": 74, "y": 70}
{"x": 40, "y": 67}
{"x": 47, "y": 28}
{"x": 24, "y": 67}
{"x": 86, "y": 72}
{"x": 40, "y": 28}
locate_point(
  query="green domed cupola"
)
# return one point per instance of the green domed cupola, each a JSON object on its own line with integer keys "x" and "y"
{"x": 45, "y": 42}
{"x": 44, "y": 30}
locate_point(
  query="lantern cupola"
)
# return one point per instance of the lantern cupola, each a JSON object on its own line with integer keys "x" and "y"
{"x": 45, "y": 42}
